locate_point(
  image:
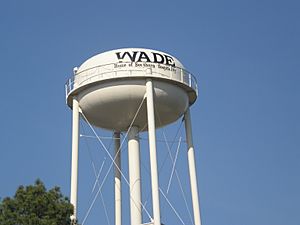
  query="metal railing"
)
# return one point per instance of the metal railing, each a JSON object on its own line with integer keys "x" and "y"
{"x": 129, "y": 69}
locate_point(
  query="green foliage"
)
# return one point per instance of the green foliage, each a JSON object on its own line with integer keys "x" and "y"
{"x": 34, "y": 205}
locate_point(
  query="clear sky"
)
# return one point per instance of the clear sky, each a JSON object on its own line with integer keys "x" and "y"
{"x": 245, "y": 55}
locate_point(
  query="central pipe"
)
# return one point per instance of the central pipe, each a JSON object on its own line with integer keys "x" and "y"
{"x": 134, "y": 176}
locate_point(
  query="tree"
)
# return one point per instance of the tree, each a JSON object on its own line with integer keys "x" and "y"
{"x": 34, "y": 205}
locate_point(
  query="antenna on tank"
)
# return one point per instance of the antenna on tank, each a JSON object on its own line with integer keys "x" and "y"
{"x": 75, "y": 69}
{"x": 126, "y": 90}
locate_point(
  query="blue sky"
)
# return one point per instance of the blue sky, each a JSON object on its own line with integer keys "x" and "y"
{"x": 245, "y": 55}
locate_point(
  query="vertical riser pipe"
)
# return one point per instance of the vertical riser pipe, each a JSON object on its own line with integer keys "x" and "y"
{"x": 134, "y": 177}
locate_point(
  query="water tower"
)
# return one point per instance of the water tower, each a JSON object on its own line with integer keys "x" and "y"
{"x": 129, "y": 90}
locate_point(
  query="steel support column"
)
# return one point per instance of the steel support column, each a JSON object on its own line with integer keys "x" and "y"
{"x": 152, "y": 149}
{"x": 118, "y": 193}
{"x": 192, "y": 167}
{"x": 74, "y": 166}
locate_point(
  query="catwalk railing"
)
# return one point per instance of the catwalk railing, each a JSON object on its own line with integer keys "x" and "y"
{"x": 129, "y": 69}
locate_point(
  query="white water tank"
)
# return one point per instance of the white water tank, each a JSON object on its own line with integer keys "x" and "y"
{"x": 110, "y": 87}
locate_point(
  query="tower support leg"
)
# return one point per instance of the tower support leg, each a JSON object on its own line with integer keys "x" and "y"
{"x": 134, "y": 176}
{"x": 192, "y": 167}
{"x": 152, "y": 148}
{"x": 118, "y": 193}
{"x": 74, "y": 166}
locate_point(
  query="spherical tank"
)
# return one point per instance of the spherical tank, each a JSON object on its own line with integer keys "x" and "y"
{"x": 111, "y": 88}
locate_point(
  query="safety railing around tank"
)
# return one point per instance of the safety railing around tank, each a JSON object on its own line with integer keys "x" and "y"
{"x": 129, "y": 69}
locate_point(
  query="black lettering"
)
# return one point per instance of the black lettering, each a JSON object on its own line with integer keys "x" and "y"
{"x": 169, "y": 60}
{"x": 158, "y": 58}
{"x": 132, "y": 57}
{"x": 144, "y": 56}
